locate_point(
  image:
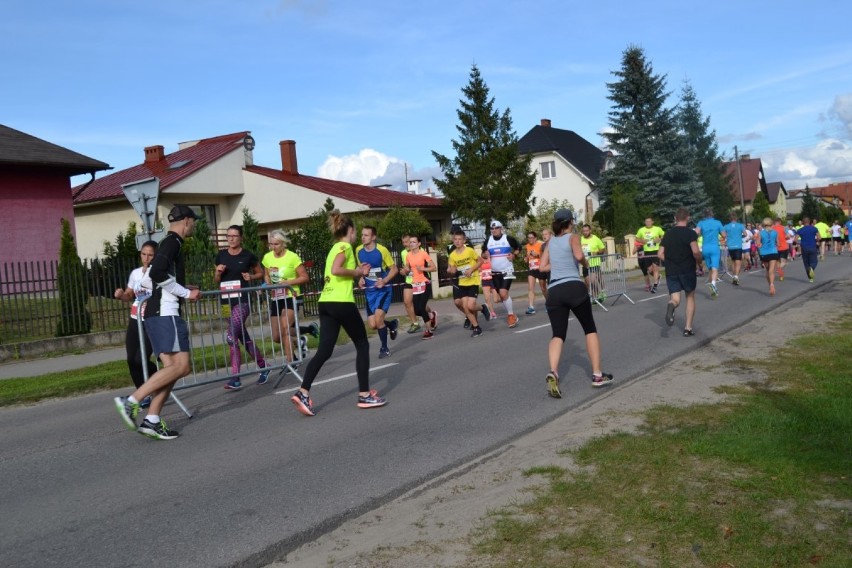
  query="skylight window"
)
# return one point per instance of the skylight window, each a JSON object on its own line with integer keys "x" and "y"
{"x": 179, "y": 165}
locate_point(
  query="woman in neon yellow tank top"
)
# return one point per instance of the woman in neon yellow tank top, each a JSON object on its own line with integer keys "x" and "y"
{"x": 337, "y": 309}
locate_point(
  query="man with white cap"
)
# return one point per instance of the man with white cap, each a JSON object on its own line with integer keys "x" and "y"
{"x": 502, "y": 249}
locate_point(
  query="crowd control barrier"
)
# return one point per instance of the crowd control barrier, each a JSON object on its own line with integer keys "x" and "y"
{"x": 216, "y": 330}
{"x": 606, "y": 279}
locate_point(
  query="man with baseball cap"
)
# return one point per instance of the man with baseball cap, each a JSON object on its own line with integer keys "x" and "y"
{"x": 502, "y": 249}
{"x": 165, "y": 327}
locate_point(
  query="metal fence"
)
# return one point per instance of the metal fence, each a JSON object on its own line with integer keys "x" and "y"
{"x": 607, "y": 280}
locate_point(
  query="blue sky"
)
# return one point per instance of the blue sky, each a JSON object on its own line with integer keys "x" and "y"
{"x": 365, "y": 87}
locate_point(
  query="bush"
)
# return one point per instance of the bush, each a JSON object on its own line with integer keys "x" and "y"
{"x": 71, "y": 282}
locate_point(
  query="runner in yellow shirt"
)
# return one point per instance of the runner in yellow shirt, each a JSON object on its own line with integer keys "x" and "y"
{"x": 464, "y": 262}
{"x": 649, "y": 237}
{"x": 593, "y": 247}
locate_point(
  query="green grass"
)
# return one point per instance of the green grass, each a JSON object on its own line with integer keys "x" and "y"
{"x": 761, "y": 480}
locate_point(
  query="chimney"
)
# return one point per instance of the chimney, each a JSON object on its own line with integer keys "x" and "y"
{"x": 745, "y": 157}
{"x": 154, "y": 154}
{"x": 414, "y": 186}
{"x": 288, "y": 157}
{"x": 545, "y": 122}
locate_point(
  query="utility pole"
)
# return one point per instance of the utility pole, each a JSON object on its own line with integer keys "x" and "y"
{"x": 740, "y": 179}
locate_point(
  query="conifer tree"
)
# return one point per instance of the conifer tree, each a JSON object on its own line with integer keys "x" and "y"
{"x": 74, "y": 317}
{"x": 810, "y": 207}
{"x": 760, "y": 207}
{"x": 651, "y": 155}
{"x": 251, "y": 237}
{"x": 488, "y": 178}
{"x": 199, "y": 252}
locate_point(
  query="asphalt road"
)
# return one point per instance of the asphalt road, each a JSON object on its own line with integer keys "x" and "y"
{"x": 250, "y": 478}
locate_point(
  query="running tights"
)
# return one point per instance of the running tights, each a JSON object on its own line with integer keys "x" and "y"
{"x": 238, "y": 332}
{"x": 420, "y": 303}
{"x": 333, "y": 316}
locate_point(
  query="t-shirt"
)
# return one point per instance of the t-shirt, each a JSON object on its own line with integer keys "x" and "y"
{"x": 782, "y": 237}
{"x": 533, "y": 254}
{"x": 140, "y": 282}
{"x": 710, "y": 230}
{"x": 380, "y": 261}
{"x": 419, "y": 278}
{"x": 462, "y": 261}
{"x": 678, "y": 251}
{"x": 168, "y": 273}
{"x": 768, "y": 241}
{"x": 592, "y": 245}
{"x": 808, "y": 237}
{"x": 338, "y": 288}
{"x": 499, "y": 251}
{"x": 734, "y": 234}
{"x": 836, "y": 231}
{"x": 235, "y": 265}
{"x": 651, "y": 237}
{"x": 824, "y": 231}
{"x": 282, "y": 268}
{"x": 848, "y": 227}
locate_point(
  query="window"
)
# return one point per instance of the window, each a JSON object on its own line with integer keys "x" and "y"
{"x": 548, "y": 170}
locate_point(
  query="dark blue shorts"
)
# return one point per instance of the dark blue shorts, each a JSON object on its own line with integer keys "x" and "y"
{"x": 378, "y": 299}
{"x": 681, "y": 282}
{"x": 168, "y": 334}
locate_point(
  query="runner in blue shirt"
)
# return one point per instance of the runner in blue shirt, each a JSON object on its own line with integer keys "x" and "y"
{"x": 733, "y": 233}
{"x": 767, "y": 244}
{"x": 848, "y": 226}
{"x": 808, "y": 237}
{"x": 710, "y": 228}
{"x": 377, "y": 285}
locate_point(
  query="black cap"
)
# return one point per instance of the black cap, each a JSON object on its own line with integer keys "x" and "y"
{"x": 180, "y": 212}
{"x": 563, "y": 215}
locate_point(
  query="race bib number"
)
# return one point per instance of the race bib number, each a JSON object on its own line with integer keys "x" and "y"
{"x": 374, "y": 273}
{"x": 230, "y": 289}
{"x": 534, "y": 263}
{"x": 485, "y": 274}
{"x": 137, "y": 308}
{"x": 509, "y": 273}
{"x": 418, "y": 287}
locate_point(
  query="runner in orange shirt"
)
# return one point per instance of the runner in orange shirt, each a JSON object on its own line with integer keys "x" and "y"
{"x": 419, "y": 263}
{"x": 532, "y": 252}
{"x": 783, "y": 247}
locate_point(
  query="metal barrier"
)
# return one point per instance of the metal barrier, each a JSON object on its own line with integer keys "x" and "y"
{"x": 607, "y": 279}
{"x": 215, "y": 351}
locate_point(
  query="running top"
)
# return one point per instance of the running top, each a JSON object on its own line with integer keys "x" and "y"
{"x": 836, "y": 231}
{"x": 499, "y": 250}
{"x": 168, "y": 272}
{"x": 563, "y": 266}
{"x": 768, "y": 241}
{"x": 782, "y": 237}
{"x": 710, "y": 230}
{"x": 462, "y": 261}
{"x": 824, "y": 231}
{"x": 282, "y": 268}
{"x": 140, "y": 282}
{"x": 380, "y": 261}
{"x": 592, "y": 245}
{"x": 533, "y": 253}
{"x": 808, "y": 237}
{"x": 419, "y": 277}
{"x": 651, "y": 237}
{"x": 339, "y": 288}
{"x": 734, "y": 234}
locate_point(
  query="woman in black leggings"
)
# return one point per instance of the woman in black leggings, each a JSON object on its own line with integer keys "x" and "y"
{"x": 567, "y": 293}
{"x": 337, "y": 309}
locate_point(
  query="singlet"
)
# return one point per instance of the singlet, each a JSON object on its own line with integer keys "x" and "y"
{"x": 768, "y": 241}
{"x": 419, "y": 278}
{"x": 563, "y": 266}
{"x": 782, "y": 237}
{"x": 652, "y": 237}
{"x": 380, "y": 261}
{"x": 746, "y": 238}
{"x": 464, "y": 260}
{"x": 338, "y": 288}
{"x": 499, "y": 251}
{"x": 485, "y": 271}
{"x": 533, "y": 261}
{"x": 710, "y": 230}
{"x": 282, "y": 268}
{"x": 140, "y": 282}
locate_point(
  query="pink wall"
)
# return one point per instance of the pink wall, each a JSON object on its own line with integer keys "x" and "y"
{"x": 31, "y": 205}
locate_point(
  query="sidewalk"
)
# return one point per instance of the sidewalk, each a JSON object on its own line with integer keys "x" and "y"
{"x": 447, "y": 314}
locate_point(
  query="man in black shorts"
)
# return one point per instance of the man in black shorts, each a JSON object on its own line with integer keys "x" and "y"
{"x": 502, "y": 249}
{"x": 681, "y": 255}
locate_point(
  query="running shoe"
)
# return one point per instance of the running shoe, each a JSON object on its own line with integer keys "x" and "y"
{"x": 781, "y": 274}
{"x": 654, "y": 288}
{"x": 433, "y": 319}
{"x": 414, "y": 328}
{"x": 477, "y": 331}
{"x": 303, "y": 345}
{"x": 736, "y": 281}
{"x": 811, "y": 274}
{"x": 128, "y": 411}
{"x": 303, "y": 403}
{"x": 601, "y": 380}
{"x": 553, "y": 385}
{"x": 384, "y": 352}
{"x": 372, "y": 400}
{"x": 492, "y": 315}
{"x": 486, "y": 313}
{"x": 466, "y": 323}
{"x": 263, "y": 378}
{"x": 233, "y": 385}
{"x": 146, "y": 402}
{"x": 393, "y": 328}
{"x": 670, "y": 310}
{"x": 158, "y": 431}
{"x": 512, "y": 320}
{"x": 313, "y": 329}
{"x": 713, "y": 291}
{"x": 811, "y": 280}
{"x": 530, "y": 311}
{"x": 688, "y": 333}
{"x": 428, "y": 334}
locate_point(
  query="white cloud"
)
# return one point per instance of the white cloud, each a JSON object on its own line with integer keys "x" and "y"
{"x": 841, "y": 113}
{"x": 827, "y": 162}
{"x": 371, "y": 167}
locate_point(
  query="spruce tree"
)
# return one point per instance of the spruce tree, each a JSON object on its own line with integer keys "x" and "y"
{"x": 251, "y": 236}
{"x": 199, "y": 252}
{"x": 707, "y": 161}
{"x": 810, "y": 206}
{"x": 488, "y": 178}
{"x": 760, "y": 208}
{"x": 651, "y": 155}
{"x": 74, "y": 318}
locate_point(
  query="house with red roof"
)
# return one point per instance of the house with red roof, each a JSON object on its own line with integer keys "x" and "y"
{"x": 35, "y": 194}
{"x": 567, "y": 166}
{"x": 217, "y": 176}
{"x": 836, "y": 194}
{"x": 750, "y": 171}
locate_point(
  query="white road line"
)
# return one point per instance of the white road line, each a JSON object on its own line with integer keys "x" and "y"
{"x": 526, "y": 329}
{"x": 664, "y": 295}
{"x": 346, "y": 376}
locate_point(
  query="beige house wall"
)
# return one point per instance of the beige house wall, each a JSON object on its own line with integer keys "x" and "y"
{"x": 569, "y": 184}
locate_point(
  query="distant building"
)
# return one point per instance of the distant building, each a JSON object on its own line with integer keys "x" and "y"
{"x": 753, "y": 181}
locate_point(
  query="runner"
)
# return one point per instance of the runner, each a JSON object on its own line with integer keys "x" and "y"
{"x": 465, "y": 263}
{"x": 337, "y": 309}
{"x": 747, "y": 236}
{"x": 783, "y": 247}
{"x": 593, "y": 247}
{"x": 836, "y": 237}
{"x": 235, "y": 269}
{"x": 824, "y": 237}
{"x": 407, "y": 295}
{"x": 808, "y": 237}
{"x": 377, "y": 283}
{"x": 419, "y": 264}
{"x": 767, "y": 244}
{"x": 567, "y": 293}
{"x": 847, "y": 229}
{"x": 502, "y": 249}
{"x": 488, "y": 290}
{"x": 734, "y": 232}
{"x": 710, "y": 228}
{"x": 679, "y": 250}
{"x": 649, "y": 237}
{"x": 532, "y": 253}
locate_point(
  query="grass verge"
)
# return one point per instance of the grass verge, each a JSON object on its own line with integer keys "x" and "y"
{"x": 760, "y": 480}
